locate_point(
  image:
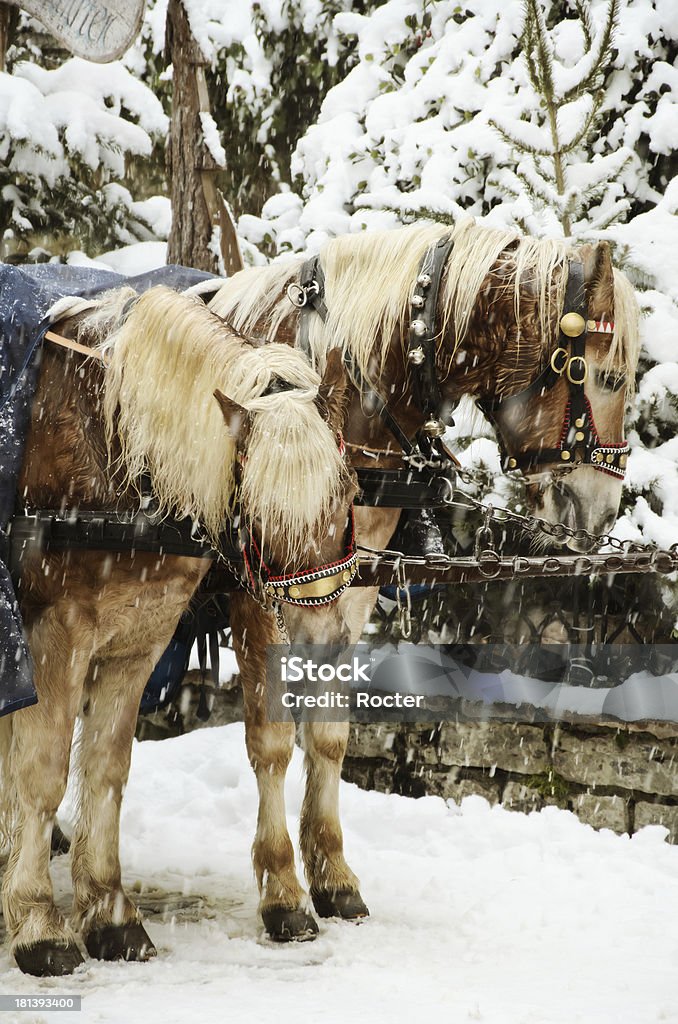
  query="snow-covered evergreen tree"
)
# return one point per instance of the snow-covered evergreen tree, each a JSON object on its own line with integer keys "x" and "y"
{"x": 67, "y": 134}
{"x": 559, "y": 184}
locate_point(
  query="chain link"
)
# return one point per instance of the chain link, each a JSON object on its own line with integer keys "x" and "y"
{"x": 489, "y": 561}
{"x": 555, "y": 531}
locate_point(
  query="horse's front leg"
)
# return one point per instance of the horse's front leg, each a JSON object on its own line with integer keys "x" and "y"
{"x": 110, "y": 923}
{"x": 334, "y": 887}
{"x": 269, "y": 747}
{"x": 42, "y": 942}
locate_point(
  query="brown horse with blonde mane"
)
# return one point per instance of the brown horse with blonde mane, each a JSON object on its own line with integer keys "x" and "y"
{"x": 266, "y": 453}
{"x": 499, "y": 334}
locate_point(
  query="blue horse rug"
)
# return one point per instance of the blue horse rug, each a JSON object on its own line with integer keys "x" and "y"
{"x": 26, "y": 294}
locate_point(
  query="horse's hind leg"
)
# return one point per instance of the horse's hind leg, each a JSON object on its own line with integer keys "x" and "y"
{"x": 269, "y": 746}
{"x": 334, "y": 887}
{"x": 110, "y": 922}
{"x": 42, "y": 942}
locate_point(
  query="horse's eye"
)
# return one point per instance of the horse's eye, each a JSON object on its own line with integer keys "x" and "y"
{"x": 277, "y": 385}
{"x": 610, "y": 381}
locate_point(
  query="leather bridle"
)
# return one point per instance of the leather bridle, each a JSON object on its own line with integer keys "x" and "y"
{"x": 579, "y": 442}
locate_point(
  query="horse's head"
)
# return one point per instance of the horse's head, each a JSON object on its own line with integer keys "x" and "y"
{"x": 295, "y": 493}
{"x": 276, "y": 467}
{"x": 564, "y": 428}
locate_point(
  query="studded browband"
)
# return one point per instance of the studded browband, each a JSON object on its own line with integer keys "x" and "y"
{"x": 580, "y": 442}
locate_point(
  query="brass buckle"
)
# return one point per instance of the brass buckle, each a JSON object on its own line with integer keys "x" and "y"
{"x": 584, "y": 376}
{"x": 556, "y": 369}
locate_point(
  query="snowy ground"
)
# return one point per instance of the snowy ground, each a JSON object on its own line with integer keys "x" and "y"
{"x": 478, "y": 914}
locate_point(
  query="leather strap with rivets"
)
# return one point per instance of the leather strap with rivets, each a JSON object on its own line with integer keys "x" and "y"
{"x": 580, "y": 442}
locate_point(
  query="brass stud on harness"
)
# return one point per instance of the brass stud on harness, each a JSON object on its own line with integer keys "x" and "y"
{"x": 346, "y": 575}
{"x": 512, "y": 463}
{"x": 579, "y": 422}
{"x": 579, "y": 436}
{"x": 609, "y": 458}
{"x": 295, "y": 591}
{"x": 572, "y": 324}
{"x": 416, "y": 355}
{"x": 623, "y": 459}
{"x": 434, "y": 428}
{"x": 418, "y": 327}
{"x": 566, "y": 456}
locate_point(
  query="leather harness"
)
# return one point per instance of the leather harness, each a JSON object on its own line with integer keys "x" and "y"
{"x": 579, "y": 442}
{"x": 427, "y": 480}
{"x": 45, "y": 529}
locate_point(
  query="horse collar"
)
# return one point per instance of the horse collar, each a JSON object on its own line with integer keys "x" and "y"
{"x": 421, "y": 350}
{"x": 580, "y": 442}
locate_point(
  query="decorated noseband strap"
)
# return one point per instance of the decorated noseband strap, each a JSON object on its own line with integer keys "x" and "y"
{"x": 580, "y": 442}
{"x": 310, "y": 588}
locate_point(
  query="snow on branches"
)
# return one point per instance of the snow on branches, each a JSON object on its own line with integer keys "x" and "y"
{"x": 65, "y": 136}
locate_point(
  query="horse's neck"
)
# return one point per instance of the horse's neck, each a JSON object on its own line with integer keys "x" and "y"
{"x": 65, "y": 456}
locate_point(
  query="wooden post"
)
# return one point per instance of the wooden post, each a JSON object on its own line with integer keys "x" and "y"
{"x": 197, "y": 205}
{"x": 7, "y": 18}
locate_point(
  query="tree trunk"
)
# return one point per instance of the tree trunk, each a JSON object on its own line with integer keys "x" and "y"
{"x": 192, "y": 223}
{"x": 8, "y": 18}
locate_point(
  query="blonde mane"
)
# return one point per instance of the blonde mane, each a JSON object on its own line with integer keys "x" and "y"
{"x": 370, "y": 277}
{"x": 165, "y": 360}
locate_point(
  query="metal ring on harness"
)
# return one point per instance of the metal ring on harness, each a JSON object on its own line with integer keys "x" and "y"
{"x": 299, "y": 294}
{"x": 584, "y": 376}
{"x": 559, "y": 369}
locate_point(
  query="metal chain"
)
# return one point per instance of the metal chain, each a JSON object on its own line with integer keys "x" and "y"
{"x": 489, "y": 560}
{"x": 281, "y": 624}
{"x": 533, "y": 524}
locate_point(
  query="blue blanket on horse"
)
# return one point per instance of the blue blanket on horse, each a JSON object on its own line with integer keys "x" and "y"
{"x": 26, "y": 294}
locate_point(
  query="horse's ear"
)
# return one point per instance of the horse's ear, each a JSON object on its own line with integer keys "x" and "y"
{"x": 235, "y": 416}
{"x": 333, "y": 389}
{"x": 597, "y": 260}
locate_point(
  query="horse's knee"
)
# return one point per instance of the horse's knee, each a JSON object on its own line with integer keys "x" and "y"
{"x": 270, "y": 746}
{"x": 327, "y": 740}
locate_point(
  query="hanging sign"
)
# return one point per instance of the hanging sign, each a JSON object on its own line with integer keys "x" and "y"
{"x": 98, "y": 30}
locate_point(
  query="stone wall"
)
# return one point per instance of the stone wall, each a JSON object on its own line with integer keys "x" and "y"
{"x": 617, "y": 777}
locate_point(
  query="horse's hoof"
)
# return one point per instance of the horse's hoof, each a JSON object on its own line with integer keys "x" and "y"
{"x": 339, "y": 903}
{"x": 120, "y": 942}
{"x": 285, "y": 925}
{"x": 48, "y": 959}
